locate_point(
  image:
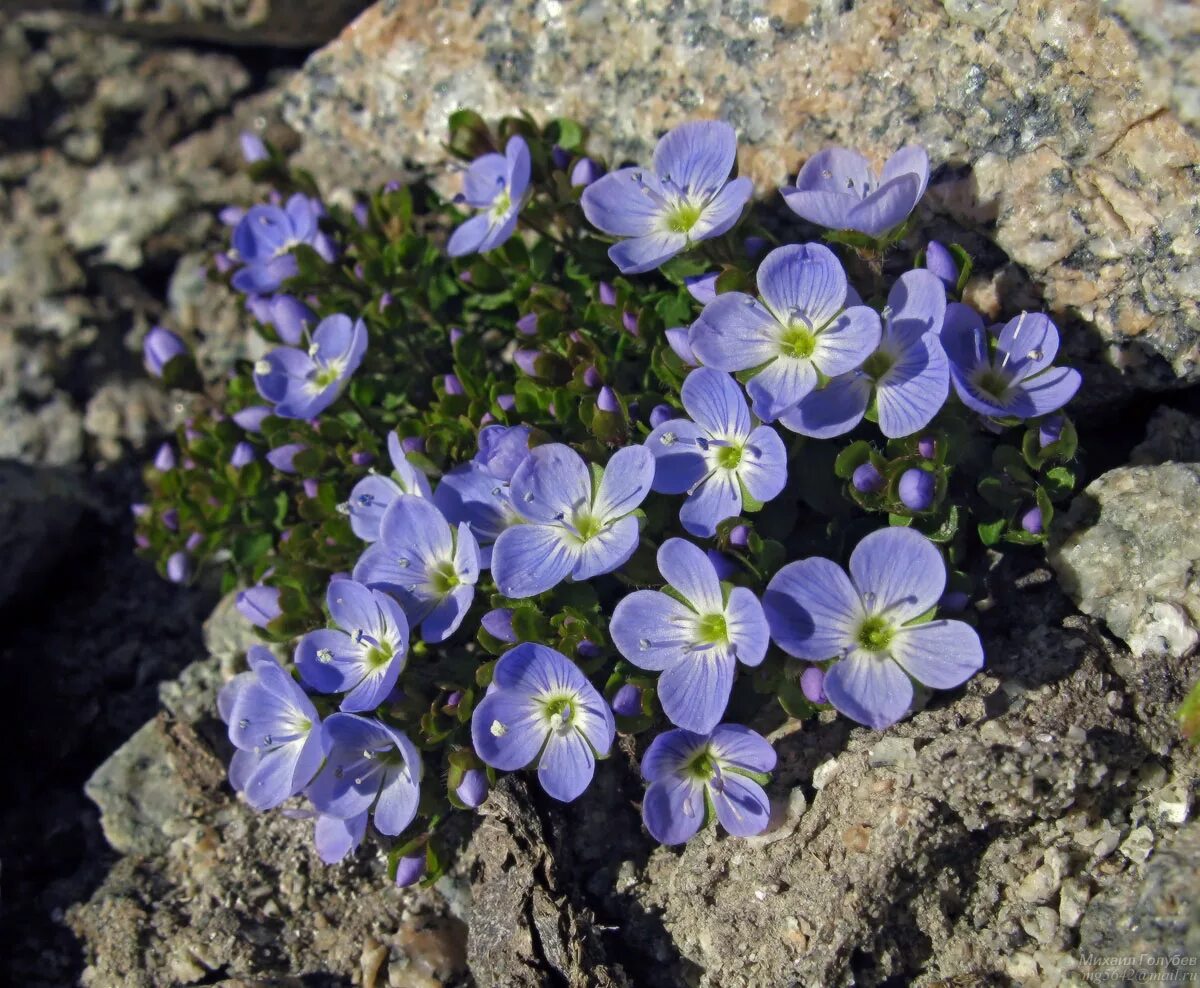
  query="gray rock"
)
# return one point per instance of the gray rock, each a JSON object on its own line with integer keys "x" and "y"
{"x": 1170, "y": 435}
{"x": 39, "y": 510}
{"x": 1127, "y": 552}
{"x": 1049, "y": 146}
{"x": 1166, "y": 33}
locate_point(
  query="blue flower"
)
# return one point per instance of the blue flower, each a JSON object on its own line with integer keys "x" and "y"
{"x": 259, "y": 605}
{"x": 543, "y": 710}
{"x": 369, "y": 768}
{"x": 908, "y": 373}
{"x": 364, "y": 656}
{"x": 870, "y": 622}
{"x": 371, "y": 495}
{"x": 717, "y": 455}
{"x": 496, "y": 185}
{"x": 693, "y": 775}
{"x": 577, "y": 525}
{"x": 265, "y": 238}
{"x": 302, "y": 384}
{"x": 335, "y": 838}
{"x": 159, "y": 347}
{"x": 1017, "y": 380}
{"x": 839, "y": 189}
{"x": 276, "y": 730}
{"x": 686, "y": 198}
{"x": 431, "y": 567}
{"x": 800, "y": 330}
{"x": 695, "y": 637}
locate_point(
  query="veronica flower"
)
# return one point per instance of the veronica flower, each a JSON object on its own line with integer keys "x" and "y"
{"x": 364, "y": 655}
{"x": 801, "y": 328}
{"x": 691, "y": 775}
{"x": 335, "y": 838}
{"x": 265, "y": 238}
{"x": 369, "y": 767}
{"x": 496, "y": 185}
{"x": 371, "y": 495}
{"x": 839, "y": 189}
{"x": 908, "y": 373}
{"x": 576, "y": 525}
{"x": 716, "y": 455}
{"x": 431, "y": 567}
{"x": 685, "y": 198}
{"x": 542, "y": 710}
{"x": 276, "y": 730}
{"x": 1016, "y": 380}
{"x": 869, "y": 622}
{"x": 159, "y": 347}
{"x": 303, "y": 384}
{"x": 259, "y": 605}
{"x": 695, "y": 637}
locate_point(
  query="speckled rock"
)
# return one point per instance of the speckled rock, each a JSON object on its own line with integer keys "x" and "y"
{"x": 287, "y": 23}
{"x": 1047, "y": 144}
{"x": 1166, "y": 32}
{"x": 1128, "y": 552}
{"x": 1171, "y": 434}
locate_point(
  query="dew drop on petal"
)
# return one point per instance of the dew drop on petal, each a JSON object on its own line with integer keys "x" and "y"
{"x": 496, "y": 492}
{"x": 667, "y": 439}
{"x": 262, "y": 367}
{"x": 267, "y": 739}
{"x": 358, "y": 780}
{"x": 339, "y": 772}
{"x": 243, "y": 724}
{"x": 528, "y": 497}
{"x": 325, "y": 656}
{"x": 1035, "y": 354}
{"x": 643, "y": 644}
{"x": 498, "y": 730}
{"x": 826, "y": 173}
{"x": 403, "y": 562}
{"x": 368, "y": 754}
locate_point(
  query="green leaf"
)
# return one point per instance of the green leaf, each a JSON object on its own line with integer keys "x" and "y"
{"x": 990, "y": 532}
{"x": 851, "y": 458}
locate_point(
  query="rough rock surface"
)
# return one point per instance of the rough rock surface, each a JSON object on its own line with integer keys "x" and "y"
{"x": 287, "y": 23}
{"x": 1166, "y": 32}
{"x": 1048, "y": 143}
{"x": 1171, "y": 434}
{"x": 1128, "y": 552}
{"x": 39, "y": 510}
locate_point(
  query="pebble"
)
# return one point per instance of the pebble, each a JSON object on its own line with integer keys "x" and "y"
{"x": 825, "y": 773}
{"x": 1138, "y": 845}
{"x": 891, "y": 751}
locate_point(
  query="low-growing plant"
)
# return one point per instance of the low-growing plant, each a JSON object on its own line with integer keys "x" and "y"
{"x": 583, "y": 452}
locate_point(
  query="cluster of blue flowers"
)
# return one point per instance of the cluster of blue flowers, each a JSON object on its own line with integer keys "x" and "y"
{"x": 453, "y": 555}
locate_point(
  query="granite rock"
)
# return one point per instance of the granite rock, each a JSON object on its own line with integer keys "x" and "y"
{"x": 1171, "y": 434}
{"x": 1046, "y": 142}
{"x": 1128, "y": 552}
{"x": 1165, "y": 32}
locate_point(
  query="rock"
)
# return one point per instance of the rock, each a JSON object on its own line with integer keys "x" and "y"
{"x": 1165, "y": 32}
{"x": 1050, "y": 146}
{"x": 1171, "y": 434}
{"x": 128, "y": 412}
{"x": 39, "y": 511}
{"x": 1127, "y": 552}
{"x": 286, "y": 23}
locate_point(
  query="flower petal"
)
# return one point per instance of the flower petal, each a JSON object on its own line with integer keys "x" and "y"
{"x": 468, "y": 236}
{"x": 694, "y": 691}
{"x": 911, "y": 159}
{"x": 507, "y": 730}
{"x": 914, "y": 389}
{"x": 696, "y": 156}
{"x": 846, "y": 342}
{"x": 716, "y": 403}
{"x": 887, "y": 207}
{"x": 445, "y": 617}
{"x": 746, "y": 625}
{"x": 530, "y": 559}
{"x": 484, "y": 179}
{"x": 839, "y": 170}
{"x": 918, "y": 298}
{"x": 335, "y": 838}
{"x": 338, "y": 674}
{"x": 827, "y": 209}
{"x": 678, "y": 461}
{"x": 352, "y": 606}
{"x": 723, "y": 210}
{"x": 832, "y": 410}
{"x": 414, "y": 529}
{"x": 940, "y": 654}
{"x": 553, "y": 481}
{"x": 1048, "y": 391}
{"x": 616, "y": 204}
{"x": 688, "y": 569}
{"x": 898, "y": 570}
{"x": 608, "y": 550}
{"x": 673, "y": 809}
{"x": 742, "y": 807}
{"x": 963, "y": 337}
{"x": 805, "y": 280}
{"x": 368, "y": 500}
{"x": 657, "y": 619}
{"x": 811, "y": 608}
{"x": 646, "y": 252}
{"x": 1027, "y": 345}
{"x": 669, "y": 752}
{"x": 567, "y": 765}
{"x": 625, "y": 484}
{"x": 518, "y": 166}
{"x": 469, "y": 493}
{"x": 743, "y": 748}
{"x": 780, "y": 385}
{"x": 716, "y": 499}
{"x": 764, "y": 464}
{"x": 398, "y": 799}
{"x": 873, "y": 691}
{"x": 734, "y": 332}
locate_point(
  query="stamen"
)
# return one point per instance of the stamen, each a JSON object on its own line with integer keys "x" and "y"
{"x": 667, "y": 438}
{"x": 262, "y": 367}
{"x": 325, "y": 656}
{"x": 498, "y": 730}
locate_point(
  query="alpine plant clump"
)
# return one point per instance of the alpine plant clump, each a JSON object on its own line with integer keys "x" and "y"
{"x": 585, "y": 453}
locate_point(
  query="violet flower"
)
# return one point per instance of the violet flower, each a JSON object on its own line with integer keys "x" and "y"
{"x": 265, "y": 238}
{"x": 716, "y": 457}
{"x": 575, "y": 525}
{"x": 291, "y": 318}
{"x": 542, "y": 710}
{"x": 364, "y": 655}
{"x": 410, "y": 869}
{"x": 276, "y": 730}
{"x": 684, "y": 198}
{"x": 584, "y": 172}
{"x": 159, "y": 347}
{"x": 251, "y": 418}
{"x": 259, "y": 605}
{"x": 838, "y": 189}
{"x": 473, "y": 787}
{"x": 429, "y": 565}
{"x": 243, "y": 455}
{"x": 917, "y": 488}
{"x": 1017, "y": 380}
{"x": 371, "y": 495}
{"x": 303, "y": 384}
{"x": 496, "y": 185}
{"x": 253, "y": 148}
{"x": 908, "y": 374}
{"x": 689, "y": 773}
{"x": 335, "y": 838}
{"x": 941, "y": 263}
{"x": 801, "y": 328}
{"x": 695, "y": 637}
{"x": 370, "y": 767}
{"x": 871, "y": 623}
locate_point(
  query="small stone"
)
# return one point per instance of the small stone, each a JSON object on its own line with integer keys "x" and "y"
{"x": 1138, "y": 845}
{"x": 1174, "y": 805}
{"x": 1041, "y": 924}
{"x": 374, "y": 956}
{"x": 1072, "y": 900}
{"x": 891, "y": 751}
{"x": 1040, "y": 885}
{"x": 825, "y": 773}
